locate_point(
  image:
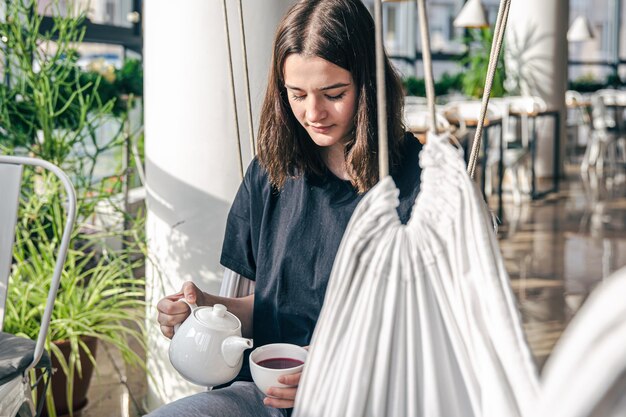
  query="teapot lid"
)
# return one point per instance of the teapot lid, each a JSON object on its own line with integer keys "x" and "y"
{"x": 217, "y": 317}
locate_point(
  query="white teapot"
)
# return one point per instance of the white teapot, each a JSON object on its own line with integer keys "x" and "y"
{"x": 207, "y": 348}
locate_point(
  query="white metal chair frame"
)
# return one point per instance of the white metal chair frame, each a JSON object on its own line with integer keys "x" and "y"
{"x": 607, "y": 138}
{"x": 15, "y": 395}
{"x": 578, "y": 120}
{"x": 513, "y": 159}
{"x": 523, "y": 108}
{"x": 469, "y": 110}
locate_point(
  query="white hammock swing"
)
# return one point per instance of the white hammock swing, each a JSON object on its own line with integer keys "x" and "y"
{"x": 420, "y": 319}
{"x": 416, "y": 321}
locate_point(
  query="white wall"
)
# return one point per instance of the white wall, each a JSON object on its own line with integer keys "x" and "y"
{"x": 191, "y": 159}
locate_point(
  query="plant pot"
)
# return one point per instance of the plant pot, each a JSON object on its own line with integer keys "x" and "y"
{"x": 59, "y": 380}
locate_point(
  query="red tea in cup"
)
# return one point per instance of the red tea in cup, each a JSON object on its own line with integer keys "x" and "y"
{"x": 280, "y": 363}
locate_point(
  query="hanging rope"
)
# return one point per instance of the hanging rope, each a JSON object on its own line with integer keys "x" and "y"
{"x": 428, "y": 66}
{"x": 381, "y": 95}
{"x": 233, "y": 284}
{"x": 232, "y": 87}
{"x": 499, "y": 29}
{"x": 246, "y": 79}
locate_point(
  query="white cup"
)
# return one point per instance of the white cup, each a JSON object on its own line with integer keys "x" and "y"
{"x": 264, "y": 377}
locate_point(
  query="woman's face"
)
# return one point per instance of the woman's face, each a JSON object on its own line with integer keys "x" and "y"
{"x": 322, "y": 96}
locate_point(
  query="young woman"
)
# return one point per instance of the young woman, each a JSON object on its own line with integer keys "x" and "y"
{"x": 317, "y": 157}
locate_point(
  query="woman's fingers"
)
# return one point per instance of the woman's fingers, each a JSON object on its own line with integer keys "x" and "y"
{"x": 172, "y": 312}
{"x": 170, "y": 305}
{"x": 190, "y": 292}
{"x": 168, "y": 321}
{"x": 280, "y": 397}
{"x": 278, "y": 403}
{"x": 168, "y": 331}
{"x": 283, "y": 393}
{"x": 293, "y": 379}
{"x": 172, "y": 319}
{"x": 283, "y": 397}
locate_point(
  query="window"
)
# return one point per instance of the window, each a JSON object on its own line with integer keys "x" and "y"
{"x": 391, "y": 27}
{"x": 603, "y": 48}
{"x": 104, "y": 12}
{"x": 107, "y": 20}
{"x": 111, "y": 12}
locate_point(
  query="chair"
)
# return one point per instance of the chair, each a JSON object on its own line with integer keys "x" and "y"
{"x": 578, "y": 122}
{"x": 17, "y": 354}
{"x": 606, "y": 138}
{"x": 469, "y": 111}
{"x": 517, "y": 136}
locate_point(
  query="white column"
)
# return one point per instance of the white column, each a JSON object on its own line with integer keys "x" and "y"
{"x": 191, "y": 158}
{"x": 536, "y": 59}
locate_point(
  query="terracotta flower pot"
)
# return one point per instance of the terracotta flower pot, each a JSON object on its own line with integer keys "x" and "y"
{"x": 59, "y": 380}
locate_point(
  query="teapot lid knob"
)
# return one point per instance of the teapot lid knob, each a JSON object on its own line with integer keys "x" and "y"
{"x": 219, "y": 310}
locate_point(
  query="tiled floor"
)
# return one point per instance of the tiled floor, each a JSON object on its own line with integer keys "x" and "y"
{"x": 117, "y": 391}
{"x": 556, "y": 250}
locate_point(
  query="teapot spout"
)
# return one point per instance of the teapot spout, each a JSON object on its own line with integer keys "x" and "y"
{"x": 233, "y": 347}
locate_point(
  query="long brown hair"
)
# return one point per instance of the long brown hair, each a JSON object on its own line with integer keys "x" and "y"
{"x": 341, "y": 32}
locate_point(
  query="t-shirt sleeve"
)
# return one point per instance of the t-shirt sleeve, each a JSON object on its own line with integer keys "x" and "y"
{"x": 238, "y": 249}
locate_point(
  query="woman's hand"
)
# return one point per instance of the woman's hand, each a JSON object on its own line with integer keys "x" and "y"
{"x": 283, "y": 397}
{"x": 173, "y": 312}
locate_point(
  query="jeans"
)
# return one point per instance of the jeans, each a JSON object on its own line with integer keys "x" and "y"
{"x": 241, "y": 399}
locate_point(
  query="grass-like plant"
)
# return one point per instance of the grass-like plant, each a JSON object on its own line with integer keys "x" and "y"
{"x": 98, "y": 295}
{"x": 49, "y": 109}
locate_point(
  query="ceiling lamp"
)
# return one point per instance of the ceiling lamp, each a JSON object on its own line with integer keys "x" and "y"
{"x": 472, "y": 15}
{"x": 580, "y": 30}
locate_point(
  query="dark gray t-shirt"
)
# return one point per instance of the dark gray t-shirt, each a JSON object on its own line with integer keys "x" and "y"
{"x": 287, "y": 241}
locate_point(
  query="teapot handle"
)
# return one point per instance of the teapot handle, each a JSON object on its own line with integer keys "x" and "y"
{"x": 192, "y": 307}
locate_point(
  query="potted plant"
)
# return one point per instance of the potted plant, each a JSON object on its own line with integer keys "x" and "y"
{"x": 50, "y": 109}
{"x": 477, "y": 64}
{"x": 587, "y": 84}
{"x": 445, "y": 85}
{"x": 414, "y": 86}
{"x": 99, "y": 299}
